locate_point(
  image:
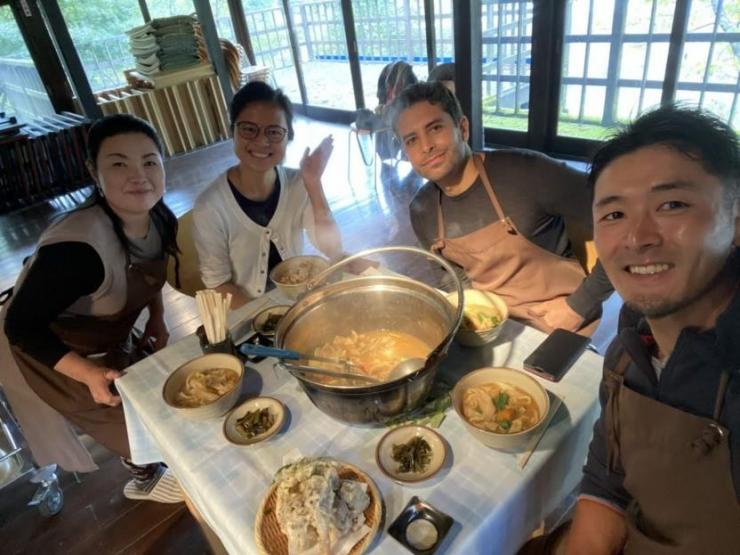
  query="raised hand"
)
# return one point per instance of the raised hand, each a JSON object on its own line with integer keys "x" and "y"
{"x": 313, "y": 164}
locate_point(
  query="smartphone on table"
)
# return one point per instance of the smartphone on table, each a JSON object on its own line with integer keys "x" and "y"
{"x": 556, "y": 354}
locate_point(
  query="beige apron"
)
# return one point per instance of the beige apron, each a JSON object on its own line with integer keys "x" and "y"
{"x": 677, "y": 470}
{"x": 498, "y": 258}
{"x": 88, "y": 335}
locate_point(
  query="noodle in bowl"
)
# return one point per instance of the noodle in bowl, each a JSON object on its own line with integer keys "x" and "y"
{"x": 206, "y": 387}
{"x": 469, "y": 400}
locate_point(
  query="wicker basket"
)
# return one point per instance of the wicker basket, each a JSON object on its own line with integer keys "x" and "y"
{"x": 270, "y": 539}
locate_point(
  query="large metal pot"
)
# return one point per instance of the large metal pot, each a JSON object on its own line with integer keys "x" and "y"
{"x": 363, "y": 304}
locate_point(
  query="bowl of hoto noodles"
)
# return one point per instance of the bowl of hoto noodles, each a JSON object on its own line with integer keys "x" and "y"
{"x": 501, "y": 407}
{"x": 484, "y": 314}
{"x": 374, "y": 322}
{"x": 292, "y": 275}
{"x": 206, "y": 387}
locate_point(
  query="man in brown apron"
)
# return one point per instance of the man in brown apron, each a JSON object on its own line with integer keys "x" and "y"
{"x": 500, "y": 216}
{"x": 663, "y": 471}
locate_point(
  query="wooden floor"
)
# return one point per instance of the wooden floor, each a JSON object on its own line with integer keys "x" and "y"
{"x": 371, "y": 209}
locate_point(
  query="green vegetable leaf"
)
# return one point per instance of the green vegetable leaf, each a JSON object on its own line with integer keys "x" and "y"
{"x": 501, "y": 400}
{"x": 505, "y": 424}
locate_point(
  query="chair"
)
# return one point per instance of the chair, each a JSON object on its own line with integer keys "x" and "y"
{"x": 190, "y": 281}
{"x": 582, "y": 244}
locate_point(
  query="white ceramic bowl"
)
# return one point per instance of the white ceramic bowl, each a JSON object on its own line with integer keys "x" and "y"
{"x": 220, "y": 406}
{"x": 504, "y": 442}
{"x": 276, "y": 408}
{"x": 293, "y": 290}
{"x": 471, "y": 338}
{"x": 403, "y": 434}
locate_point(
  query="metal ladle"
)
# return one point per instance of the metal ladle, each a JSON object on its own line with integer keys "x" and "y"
{"x": 406, "y": 368}
{"x": 288, "y": 355}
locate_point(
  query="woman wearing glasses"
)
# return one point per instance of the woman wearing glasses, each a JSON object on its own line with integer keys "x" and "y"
{"x": 253, "y": 216}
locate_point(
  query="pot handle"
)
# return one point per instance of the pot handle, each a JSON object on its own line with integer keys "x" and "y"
{"x": 318, "y": 279}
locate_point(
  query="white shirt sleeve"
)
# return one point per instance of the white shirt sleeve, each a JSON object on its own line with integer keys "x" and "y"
{"x": 212, "y": 244}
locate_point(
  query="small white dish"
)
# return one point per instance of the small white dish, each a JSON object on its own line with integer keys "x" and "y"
{"x": 404, "y": 434}
{"x": 276, "y": 408}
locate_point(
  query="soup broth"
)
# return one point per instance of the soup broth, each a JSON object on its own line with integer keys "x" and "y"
{"x": 374, "y": 353}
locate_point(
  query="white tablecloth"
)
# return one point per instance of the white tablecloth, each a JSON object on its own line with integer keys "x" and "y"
{"x": 495, "y": 505}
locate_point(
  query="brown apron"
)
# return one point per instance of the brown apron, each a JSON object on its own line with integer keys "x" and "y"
{"x": 89, "y": 335}
{"x": 498, "y": 258}
{"x": 677, "y": 471}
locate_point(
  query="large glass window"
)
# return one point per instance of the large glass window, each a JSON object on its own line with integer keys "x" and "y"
{"x": 222, "y": 16}
{"x": 709, "y": 74}
{"x": 169, "y": 8}
{"x": 444, "y": 32}
{"x": 507, "y": 57}
{"x": 22, "y": 94}
{"x": 319, "y": 30}
{"x": 614, "y": 63}
{"x": 615, "y": 57}
{"x": 98, "y": 30}
{"x": 389, "y": 31}
{"x": 220, "y": 9}
{"x": 268, "y": 31}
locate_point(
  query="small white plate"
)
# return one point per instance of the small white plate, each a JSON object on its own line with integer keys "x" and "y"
{"x": 403, "y": 434}
{"x": 275, "y": 407}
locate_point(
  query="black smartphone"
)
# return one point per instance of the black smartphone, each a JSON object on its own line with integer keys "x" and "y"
{"x": 556, "y": 354}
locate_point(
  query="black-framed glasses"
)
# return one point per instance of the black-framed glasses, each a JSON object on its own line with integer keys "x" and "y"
{"x": 249, "y": 131}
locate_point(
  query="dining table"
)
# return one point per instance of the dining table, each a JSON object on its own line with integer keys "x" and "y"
{"x": 495, "y": 499}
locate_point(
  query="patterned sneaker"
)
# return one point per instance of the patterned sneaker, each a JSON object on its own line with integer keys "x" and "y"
{"x": 163, "y": 487}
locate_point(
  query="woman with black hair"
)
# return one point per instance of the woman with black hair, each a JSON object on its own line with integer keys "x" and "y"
{"x": 70, "y": 320}
{"x": 253, "y": 215}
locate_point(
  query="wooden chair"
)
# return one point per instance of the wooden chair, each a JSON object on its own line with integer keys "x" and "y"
{"x": 190, "y": 281}
{"x": 582, "y": 243}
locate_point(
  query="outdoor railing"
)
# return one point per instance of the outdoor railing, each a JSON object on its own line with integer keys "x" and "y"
{"x": 22, "y": 94}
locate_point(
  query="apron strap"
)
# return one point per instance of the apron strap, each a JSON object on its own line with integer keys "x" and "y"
{"x": 614, "y": 382}
{"x": 478, "y": 161}
{"x": 440, "y": 217}
{"x": 713, "y": 434}
{"x": 478, "y": 158}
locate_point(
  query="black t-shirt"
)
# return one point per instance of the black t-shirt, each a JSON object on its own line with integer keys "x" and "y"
{"x": 261, "y": 212}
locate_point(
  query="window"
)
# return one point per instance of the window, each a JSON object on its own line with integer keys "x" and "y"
{"x": 616, "y": 56}
{"x": 268, "y": 31}
{"x": 507, "y": 55}
{"x": 614, "y": 63}
{"x": 388, "y": 32}
{"x": 98, "y": 30}
{"x": 222, "y": 16}
{"x": 22, "y": 94}
{"x": 170, "y": 8}
{"x": 444, "y": 34}
{"x": 319, "y": 28}
{"x": 709, "y": 73}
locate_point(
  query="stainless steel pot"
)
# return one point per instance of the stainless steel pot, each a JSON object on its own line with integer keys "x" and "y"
{"x": 369, "y": 303}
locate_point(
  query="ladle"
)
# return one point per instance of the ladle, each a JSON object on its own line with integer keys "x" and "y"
{"x": 288, "y": 355}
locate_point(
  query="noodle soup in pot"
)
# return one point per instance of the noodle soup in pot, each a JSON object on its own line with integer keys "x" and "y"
{"x": 373, "y": 353}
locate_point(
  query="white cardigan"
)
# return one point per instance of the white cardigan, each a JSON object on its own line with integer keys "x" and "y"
{"x": 233, "y": 248}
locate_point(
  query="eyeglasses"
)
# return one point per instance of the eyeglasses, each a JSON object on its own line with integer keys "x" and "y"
{"x": 249, "y": 131}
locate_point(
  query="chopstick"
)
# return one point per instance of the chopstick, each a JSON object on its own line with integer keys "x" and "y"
{"x": 523, "y": 458}
{"x": 213, "y": 307}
